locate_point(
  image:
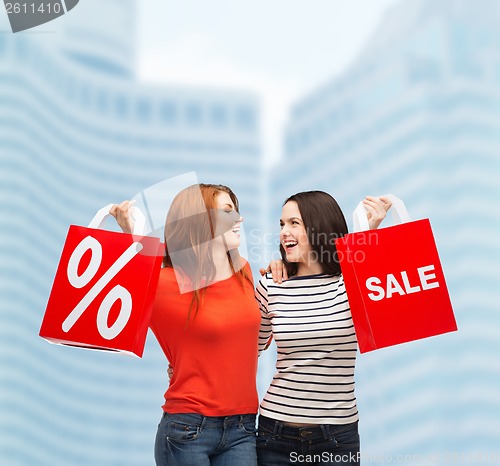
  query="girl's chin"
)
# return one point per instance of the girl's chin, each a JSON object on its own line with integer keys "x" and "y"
{"x": 232, "y": 240}
{"x": 290, "y": 257}
{"x": 233, "y": 245}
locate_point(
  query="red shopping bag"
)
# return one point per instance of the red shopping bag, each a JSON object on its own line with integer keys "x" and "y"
{"x": 104, "y": 288}
{"x": 394, "y": 282}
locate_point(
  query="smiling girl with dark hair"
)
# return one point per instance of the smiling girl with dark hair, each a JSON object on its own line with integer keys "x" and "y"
{"x": 309, "y": 411}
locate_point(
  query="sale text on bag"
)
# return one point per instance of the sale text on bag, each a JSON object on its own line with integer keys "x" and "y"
{"x": 392, "y": 285}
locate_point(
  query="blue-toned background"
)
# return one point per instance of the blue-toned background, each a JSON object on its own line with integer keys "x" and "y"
{"x": 375, "y": 97}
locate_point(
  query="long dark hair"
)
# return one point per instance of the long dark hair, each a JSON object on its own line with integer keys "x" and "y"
{"x": 324, "y": 223}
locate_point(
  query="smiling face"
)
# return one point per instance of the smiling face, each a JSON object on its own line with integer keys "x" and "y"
{"x": 227, "y": 221}
{"x": 293, "y": 235}
{"x": 311, "y": 222}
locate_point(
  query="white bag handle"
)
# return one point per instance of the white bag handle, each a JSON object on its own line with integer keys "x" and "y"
{"x": 103, "y": 214}
{"x": 399, "y": 213}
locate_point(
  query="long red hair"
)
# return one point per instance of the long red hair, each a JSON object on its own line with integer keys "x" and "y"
{"x": 189, "y": 229}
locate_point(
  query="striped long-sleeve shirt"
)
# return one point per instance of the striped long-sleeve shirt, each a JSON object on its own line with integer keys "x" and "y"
{"x": 310, "y": 320}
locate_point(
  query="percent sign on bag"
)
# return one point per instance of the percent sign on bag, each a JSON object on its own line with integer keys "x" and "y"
{"x": 103, "y": 289}
{"x": 117, "y": 293}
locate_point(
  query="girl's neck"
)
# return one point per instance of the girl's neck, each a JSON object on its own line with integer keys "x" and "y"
{"x": 222, "y": 266}
{"x": 313, "y": 268}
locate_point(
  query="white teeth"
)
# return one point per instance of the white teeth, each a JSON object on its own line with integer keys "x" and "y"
{"x": 289, "y": 243}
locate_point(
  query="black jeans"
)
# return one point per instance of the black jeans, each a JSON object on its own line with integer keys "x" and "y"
{"x": 324, "y": 444}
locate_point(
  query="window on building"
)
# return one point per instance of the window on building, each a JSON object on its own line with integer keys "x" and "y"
{"x": 463, "y": 52}
{"x": 289, "y": 145}
{"x": 21, "y": 47}
{"x": 245, "y": 118}
{"x": 143, "y": 110}
{"x": 423, "y": 70}
{"x": 85, "y": 95}
{"x": 497, "y": 71}
{"x": 332, "y": 120}
{"x": 121, "y": 105}
{"x": 193, "y": 114}
{"x": 102, "y": 100}
{"x": 218, "y": 116}
{"x": 304, "y": 137}
{"x": 168, "y": 112}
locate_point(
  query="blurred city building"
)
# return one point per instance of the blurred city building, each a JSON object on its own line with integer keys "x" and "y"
{"x": 78, "y": 131}
{"x": 417, "y": 114}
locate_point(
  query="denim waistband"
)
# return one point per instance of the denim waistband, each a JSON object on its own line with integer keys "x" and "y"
{"x": 279, "y": 429}
{"x": 200, "y": 419}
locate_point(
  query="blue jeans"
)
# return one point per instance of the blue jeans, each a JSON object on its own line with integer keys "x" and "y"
{"x": 324, "y": 444}
{"x": 197, "y": 440}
